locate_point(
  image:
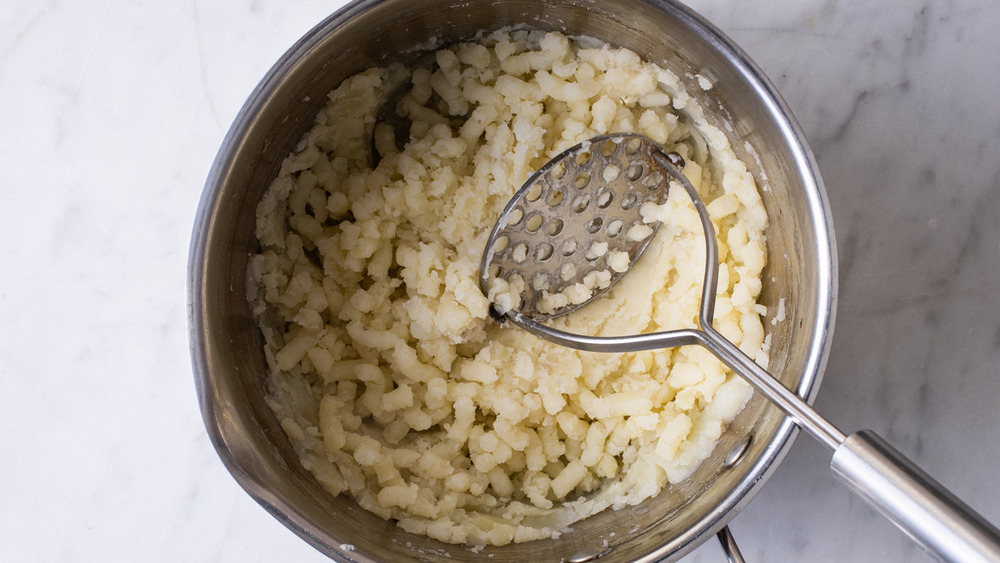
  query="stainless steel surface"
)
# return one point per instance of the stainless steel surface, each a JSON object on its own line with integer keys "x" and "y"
{"x": 930, "y": 514}
{"x": 590, "y": 193}
{"x": 226, "y": 349}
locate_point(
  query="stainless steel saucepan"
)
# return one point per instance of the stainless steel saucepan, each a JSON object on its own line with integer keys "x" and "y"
{"x": 227, "y": 350}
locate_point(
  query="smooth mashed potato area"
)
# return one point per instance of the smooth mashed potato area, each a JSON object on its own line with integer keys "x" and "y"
{"x": 387, "y": 373}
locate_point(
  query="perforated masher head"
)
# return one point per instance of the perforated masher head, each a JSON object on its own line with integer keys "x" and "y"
{"x": 576, "y": 225}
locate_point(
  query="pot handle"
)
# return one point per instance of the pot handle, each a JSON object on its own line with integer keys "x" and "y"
{"x": 900, "y": 491}
{"x": 729, "y": 546}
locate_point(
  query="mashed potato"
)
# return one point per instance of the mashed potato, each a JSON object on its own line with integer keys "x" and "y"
{"x": 386, "y": 371}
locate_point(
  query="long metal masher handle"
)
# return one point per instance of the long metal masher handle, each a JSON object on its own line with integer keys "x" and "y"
{"x": 927, "y": 512}
{"x": 889, "y": 482}
{"x": 893, "y": 485}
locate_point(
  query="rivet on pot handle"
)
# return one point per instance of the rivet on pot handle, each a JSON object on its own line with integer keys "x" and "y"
{"x": 927, "y": 512}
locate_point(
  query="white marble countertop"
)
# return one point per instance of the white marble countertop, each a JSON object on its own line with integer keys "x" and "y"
{"x": 112, "y": 112}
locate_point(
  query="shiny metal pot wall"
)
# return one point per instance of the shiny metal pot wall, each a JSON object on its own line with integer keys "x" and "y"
{"x": 227, "y": 350}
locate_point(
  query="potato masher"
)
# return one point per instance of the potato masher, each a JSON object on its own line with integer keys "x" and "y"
{"x": 576, "y": 226}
